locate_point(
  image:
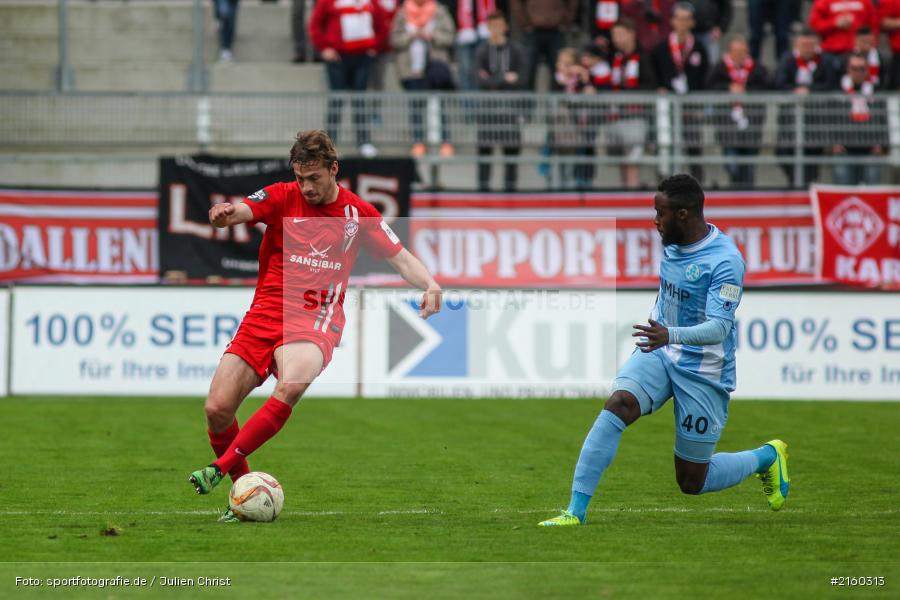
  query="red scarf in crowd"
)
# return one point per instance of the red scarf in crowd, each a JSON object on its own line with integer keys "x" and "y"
{"x": 874, "y": 61}
{"x": 738, "y": 74}
{"x": 626, "y": 71}
{"x": 600, "y": 74}
{"x": 806, "y": 70}
{"x": 859, "y": 106}
{"x": 607, "y": 14}
{"x": 680, "y": 52}
{"x": 471, "y": 23}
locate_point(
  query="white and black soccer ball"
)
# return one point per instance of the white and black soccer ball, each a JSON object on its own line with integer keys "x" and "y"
{"x": 256, "y": 496}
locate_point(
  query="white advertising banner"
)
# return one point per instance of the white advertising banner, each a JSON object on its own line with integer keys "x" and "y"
{"x": 796, "y": 345}
{"x": 805, "y": 345}
{"x": 503, "y": 343}
{"x": 4, "y": 340}
{"x": 141, "y": 341}
{"x": 834, "y": 346}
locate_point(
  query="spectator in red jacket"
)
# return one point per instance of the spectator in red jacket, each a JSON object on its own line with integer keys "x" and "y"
{"x": 836, "y": 22}
{"x": 889, "y": 22}
{"x": 347, "y": 33}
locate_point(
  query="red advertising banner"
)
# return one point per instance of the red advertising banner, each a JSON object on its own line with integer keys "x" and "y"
{"x": 859, "y": 235}
{"x": 71, "y": 236}
{"x": 598, "y": 240}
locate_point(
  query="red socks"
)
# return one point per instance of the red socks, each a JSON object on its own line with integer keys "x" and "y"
{"x": 263, "y": 425}
{"x": 220, "y": 443}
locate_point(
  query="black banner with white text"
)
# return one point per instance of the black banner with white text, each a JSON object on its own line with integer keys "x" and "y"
{"x": 191, "y": 248}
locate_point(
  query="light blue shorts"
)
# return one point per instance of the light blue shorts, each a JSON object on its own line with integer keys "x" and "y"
{"x": 701, "y": 406}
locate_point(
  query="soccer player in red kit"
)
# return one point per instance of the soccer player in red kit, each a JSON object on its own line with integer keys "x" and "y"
{"x": 315, "y": 229}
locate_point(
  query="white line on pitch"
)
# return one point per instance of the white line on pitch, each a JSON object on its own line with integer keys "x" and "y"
{"x": 415, "y": 511}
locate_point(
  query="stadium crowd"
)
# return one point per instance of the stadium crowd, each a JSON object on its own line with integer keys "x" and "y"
{"x": 629, "y": 46}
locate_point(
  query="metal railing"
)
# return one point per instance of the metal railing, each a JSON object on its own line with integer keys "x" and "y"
{"x": 528, "y": 120}
{"x": 561, "y": 133}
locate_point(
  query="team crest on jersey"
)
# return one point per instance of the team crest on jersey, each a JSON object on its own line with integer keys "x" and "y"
{"x": 692, "y": 273}
{"x": 258, "y": 196}
{"x": 351, "y": 228}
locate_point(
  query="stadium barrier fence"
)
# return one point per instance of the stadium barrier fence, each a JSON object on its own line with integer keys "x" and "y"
{"x": 567, "y": 137}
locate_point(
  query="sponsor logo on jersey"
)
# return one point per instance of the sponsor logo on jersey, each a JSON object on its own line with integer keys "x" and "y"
{"x": 673, "y": 291}
{"x": 319, "y": 253}
{"x": 855, "y": 225}
{"x": 692, "y": 273}
{"x": 316, "y": 264}
{"x": 258, "y": 196}
{"x": 730, "y": 291}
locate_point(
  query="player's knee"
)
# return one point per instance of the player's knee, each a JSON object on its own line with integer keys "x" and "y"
{"x": 624, "y": 405}
{"x": 219, "y": 414}
{"x": 691, "y": 484}
{"x": 290, "y": 392}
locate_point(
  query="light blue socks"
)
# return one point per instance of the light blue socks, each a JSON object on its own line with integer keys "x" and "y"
{"x": 729, "y": 469}
{"x": 598, "y": 450}
{"x": 765, "y": 455}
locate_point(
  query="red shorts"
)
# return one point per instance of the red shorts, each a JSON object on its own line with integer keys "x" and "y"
{"x": 259, "y": 336}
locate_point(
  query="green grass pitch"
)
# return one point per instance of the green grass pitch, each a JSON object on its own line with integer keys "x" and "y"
{"x": 440, "y": 498}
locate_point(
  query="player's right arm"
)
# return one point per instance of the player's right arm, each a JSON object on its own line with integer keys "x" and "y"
{"x": 227, "y": 214}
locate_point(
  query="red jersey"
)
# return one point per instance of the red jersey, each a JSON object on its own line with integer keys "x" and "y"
{"x": 348, "y": 26}
{"x": 823, "y": 19}
{"x": 308, "y": 252}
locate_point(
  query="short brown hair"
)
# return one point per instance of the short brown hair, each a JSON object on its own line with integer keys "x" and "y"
{"x": 313, "y": 146}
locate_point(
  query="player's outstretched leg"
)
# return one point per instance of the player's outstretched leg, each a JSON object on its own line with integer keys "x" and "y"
{"x": 233, "y": 381}
{"x": 769, "y": 462}
{"x": 259, "y": 428}
{"x": 775, "y": 479}
{"x": 597, "y": 453}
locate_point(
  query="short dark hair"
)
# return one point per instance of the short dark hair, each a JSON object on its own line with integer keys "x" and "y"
{"x": 864, "y": 31}
{"x": 683, "y": 191}
{"x": 626, "y": 23}
{"x": 685, "y": 6}
{"x": 855, "y": 55}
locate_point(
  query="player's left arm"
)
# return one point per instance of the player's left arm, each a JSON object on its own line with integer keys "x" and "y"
{"x": 416, "y": 274}
{"x": 722, "y": 299}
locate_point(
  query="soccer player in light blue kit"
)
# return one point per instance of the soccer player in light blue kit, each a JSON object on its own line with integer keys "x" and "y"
{"x": 686, "y": 352}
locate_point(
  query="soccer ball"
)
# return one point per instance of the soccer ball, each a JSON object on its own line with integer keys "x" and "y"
{"x": 256, "y": 496}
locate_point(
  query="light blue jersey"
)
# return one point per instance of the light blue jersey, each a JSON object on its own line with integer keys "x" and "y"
{"x": 698, "y": 282}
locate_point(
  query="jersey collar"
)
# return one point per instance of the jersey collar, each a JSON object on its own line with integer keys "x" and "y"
{"x": 706, "y": 241}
